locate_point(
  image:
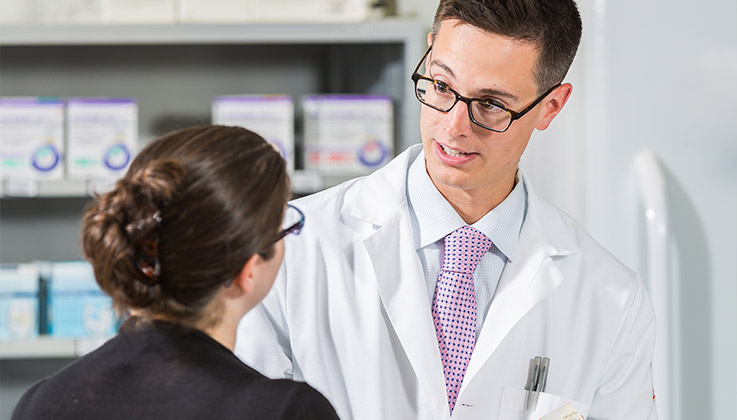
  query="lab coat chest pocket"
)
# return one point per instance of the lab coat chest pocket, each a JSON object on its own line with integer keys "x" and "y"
{"x": 513, "y": 404}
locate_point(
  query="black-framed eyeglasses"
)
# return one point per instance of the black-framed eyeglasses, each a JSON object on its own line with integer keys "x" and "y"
{"x": 293, "y": 222}
{"x": 485, "y": 113}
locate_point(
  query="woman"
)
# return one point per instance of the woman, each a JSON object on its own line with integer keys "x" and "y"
{"x": 189, "y": 240}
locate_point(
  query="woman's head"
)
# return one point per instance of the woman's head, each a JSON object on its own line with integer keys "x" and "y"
{"x": 194, "y": 207}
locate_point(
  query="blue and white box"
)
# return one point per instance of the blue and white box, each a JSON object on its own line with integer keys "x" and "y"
{"x": 77, "y": 307}
{"x": 18, "y": 301}
{"x": 102, "y": 137}
{"x": 348, "y": 134}
{"x": 31, "y": 138}
{"x": 271, "y": 116}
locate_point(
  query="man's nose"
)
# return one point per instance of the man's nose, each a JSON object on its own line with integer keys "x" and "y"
{"x": 458, "y": 121}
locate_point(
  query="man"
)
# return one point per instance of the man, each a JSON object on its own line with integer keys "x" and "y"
{"x": 427, "y": 289}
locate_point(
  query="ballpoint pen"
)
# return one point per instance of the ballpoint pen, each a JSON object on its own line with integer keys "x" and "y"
{"x": 543, "y": 375}
{"x": 533, "y": 376}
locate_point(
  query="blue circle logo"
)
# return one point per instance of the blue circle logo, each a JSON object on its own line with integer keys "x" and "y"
{"x": 117, "y": 157}
{"x": 372, "y": 153}
{"x": 45, "y": 158}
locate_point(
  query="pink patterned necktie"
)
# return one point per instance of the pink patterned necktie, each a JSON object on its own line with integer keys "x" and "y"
{"x": 454, "y": 305}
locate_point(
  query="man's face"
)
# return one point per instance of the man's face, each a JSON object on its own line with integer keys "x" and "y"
{"x": 461, "y": 157}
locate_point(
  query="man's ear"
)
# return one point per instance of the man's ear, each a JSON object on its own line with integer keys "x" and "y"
{"x": 245, "y": 280}
{"x": 553, "y": 104}
{"x": 429, "y": 39}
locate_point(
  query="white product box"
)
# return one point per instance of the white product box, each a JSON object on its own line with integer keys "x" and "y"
{"x": 347, "y": 134}
{"x": 18, "y": 301}
{"x": 31, "y": 138}
{"x": 102, "y": 137}
{"x": 76, "y": 305}
{"x": 139, "y": 11}
{"x": 313, "y": 10}
{"x": 212, "y": 11}
{"x": 271, "y": 116}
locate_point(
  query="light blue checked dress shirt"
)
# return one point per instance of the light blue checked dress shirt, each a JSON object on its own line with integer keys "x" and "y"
{"x": 433, "y": 218}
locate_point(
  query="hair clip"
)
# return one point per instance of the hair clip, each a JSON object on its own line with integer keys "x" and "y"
{"x": 149, "y": 262}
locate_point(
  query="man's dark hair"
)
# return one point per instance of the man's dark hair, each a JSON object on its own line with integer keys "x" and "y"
{"x": 554, "y": 26}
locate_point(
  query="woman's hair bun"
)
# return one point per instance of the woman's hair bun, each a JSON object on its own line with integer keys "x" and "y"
{"x": 124, "y": 232}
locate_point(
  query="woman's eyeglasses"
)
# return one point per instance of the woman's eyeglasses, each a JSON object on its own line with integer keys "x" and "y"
{"x": 293, "y": 222}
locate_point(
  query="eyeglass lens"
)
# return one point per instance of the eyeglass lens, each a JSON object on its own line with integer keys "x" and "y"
{"x": 442, "y": 98}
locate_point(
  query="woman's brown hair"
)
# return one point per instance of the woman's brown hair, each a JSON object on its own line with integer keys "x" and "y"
{"x": 193, "y": 207}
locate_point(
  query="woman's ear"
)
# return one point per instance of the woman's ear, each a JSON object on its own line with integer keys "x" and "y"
{"x": 245, "y": 280}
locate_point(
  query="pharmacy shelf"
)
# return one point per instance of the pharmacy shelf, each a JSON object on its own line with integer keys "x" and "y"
{"x": 303, "y": 183}
{"x": 383, "y": 30}
{"x": 46, "y": 188}
{"x": 48, "y": 348}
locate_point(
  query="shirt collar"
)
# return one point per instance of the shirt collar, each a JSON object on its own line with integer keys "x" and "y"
{"x": 433, "y": 217}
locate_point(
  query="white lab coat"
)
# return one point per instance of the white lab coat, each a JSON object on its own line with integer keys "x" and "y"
{"x": 349, "y": 314}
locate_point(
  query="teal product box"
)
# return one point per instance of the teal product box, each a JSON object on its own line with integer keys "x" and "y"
{"x": 18, "y": 301}
{"x": 76, "y": 305}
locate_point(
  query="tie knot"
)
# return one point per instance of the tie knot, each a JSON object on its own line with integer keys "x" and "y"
{"x": 464, "y": 248}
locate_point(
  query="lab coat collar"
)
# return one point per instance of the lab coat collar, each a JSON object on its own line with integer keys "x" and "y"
{"x": 385, "y": 190}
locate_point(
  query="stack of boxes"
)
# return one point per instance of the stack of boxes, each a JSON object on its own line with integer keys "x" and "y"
{"x": 101, "y": 138}
{"x": 60, "y": 299}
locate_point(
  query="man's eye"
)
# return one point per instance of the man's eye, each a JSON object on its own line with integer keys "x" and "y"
{"x": 488, "y": 106}
{"x": 441, "y": 88}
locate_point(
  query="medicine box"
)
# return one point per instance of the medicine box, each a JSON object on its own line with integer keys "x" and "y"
{"x": 76, "y": 305}
{"x": 31, "y": 138}
{"x": 18, "y": 301}
{"x": 347, "y": 134}
{"x": 270, "y": 116}
{"x": 102, "y": 137}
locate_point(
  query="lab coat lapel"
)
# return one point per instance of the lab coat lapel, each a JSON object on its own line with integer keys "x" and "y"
{"x": 400, "y": 278}
{"x": 527, "y": 280}
{"x": 401, "y": 284}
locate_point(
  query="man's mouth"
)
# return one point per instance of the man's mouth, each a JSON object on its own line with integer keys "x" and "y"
{"x": 452, "y": 152}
